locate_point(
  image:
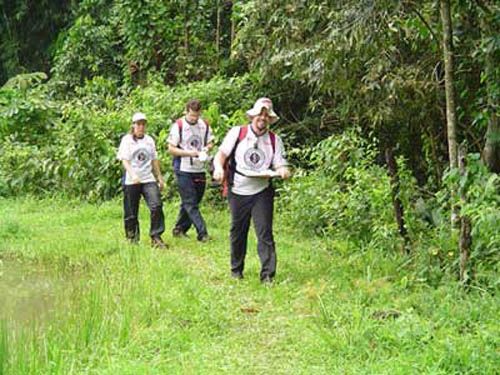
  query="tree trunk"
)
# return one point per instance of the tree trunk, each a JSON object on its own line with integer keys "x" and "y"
{"x": 491, "y": 151}
{"x": 449, "y": 83}
{"x": 451, "y": 118}
{"x": 465, "y": 223}
{"x": 398, "y": 206}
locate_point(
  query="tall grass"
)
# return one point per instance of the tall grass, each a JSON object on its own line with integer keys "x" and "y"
{"x": 136, "y": 310}
{"x": 4, "y": 347}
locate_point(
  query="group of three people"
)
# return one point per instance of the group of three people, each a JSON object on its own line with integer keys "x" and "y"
{"x": 247, "y": 158}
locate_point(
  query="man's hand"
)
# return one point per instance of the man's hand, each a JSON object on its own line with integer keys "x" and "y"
{"x": 194, "y": 153}
{"x": 161, "y": 183}
{"x": 284, "y": 173}
{"x": 135, "y": 179}
{"x": 218, "y": 174}
{"x": 203, "y": 156}
{"x": 219, "y": 160}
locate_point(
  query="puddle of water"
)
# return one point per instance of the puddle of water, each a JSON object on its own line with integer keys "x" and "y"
{"x": 29, "y": 293}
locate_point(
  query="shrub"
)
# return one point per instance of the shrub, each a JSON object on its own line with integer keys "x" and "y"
{"x": 482, "y": 206}
{"x": 345, "y": 194}
{"x": 27, "y": 169}
{"x": 436, "y": 244}
{"x": 25, "y": 109}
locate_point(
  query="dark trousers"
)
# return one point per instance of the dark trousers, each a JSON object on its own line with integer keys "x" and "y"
{"x": 260, "y": 208}
{"x": 131, "y": 197}
{"x": 191, "y": 189}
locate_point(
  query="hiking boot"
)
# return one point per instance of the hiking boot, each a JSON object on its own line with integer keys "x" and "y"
{"x": 133, "y": 240}
{"x": 204, "y": 238}
{"x": 132, "y": 237}
{"x": 237, "y": 275}
{"x": 158, "y": 243}
{"x": 267, "y": 280}
{"x": 178, "y": 232}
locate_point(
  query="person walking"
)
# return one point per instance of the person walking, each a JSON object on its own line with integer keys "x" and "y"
{"x": 189, "y": 141}
{"x": 254, "y": 155}
{"x": 142, "y": 177}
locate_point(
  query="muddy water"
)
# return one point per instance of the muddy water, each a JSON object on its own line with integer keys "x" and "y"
{"x": 30, "y": 293}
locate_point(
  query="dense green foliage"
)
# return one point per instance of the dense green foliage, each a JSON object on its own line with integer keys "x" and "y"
{"x": 126, "y": 42}
{"x": 347, "y": 195}
{"x": 377, "y": 65}
{"x": 483, "y": 208}
{"x": 28, "y": 30}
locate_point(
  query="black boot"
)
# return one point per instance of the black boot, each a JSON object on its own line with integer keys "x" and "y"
{"x": 158, "y": 243}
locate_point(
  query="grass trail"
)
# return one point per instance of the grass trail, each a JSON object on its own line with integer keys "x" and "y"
{"x": 136, "y": 310}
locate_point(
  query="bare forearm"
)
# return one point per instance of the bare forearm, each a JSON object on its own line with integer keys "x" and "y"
{"x": 284, "y": 172}
{"x": 128, "y": 167}
{"x": 176, "y": 151}
{"x": 157, "y": 174}
{"x": 157, "y": 170}
{"x": 219, "y": 160}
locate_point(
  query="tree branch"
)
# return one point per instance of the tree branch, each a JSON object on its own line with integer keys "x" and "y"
{"x": 421, "y": 18}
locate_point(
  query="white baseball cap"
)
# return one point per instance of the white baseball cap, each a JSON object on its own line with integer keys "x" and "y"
{"x": 138, "y": 116}
{"x": 263, "y": 103}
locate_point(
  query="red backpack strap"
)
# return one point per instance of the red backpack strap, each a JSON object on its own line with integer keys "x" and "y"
{"x": 179, "y": 125}
{"x": 242, "y": 134}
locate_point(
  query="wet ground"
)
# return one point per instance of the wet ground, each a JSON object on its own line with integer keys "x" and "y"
{"x": 29, "y": 292}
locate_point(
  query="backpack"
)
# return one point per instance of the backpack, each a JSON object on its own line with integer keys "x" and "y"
{"x": 176, "y": 161}
{"x": 230, "y": 164}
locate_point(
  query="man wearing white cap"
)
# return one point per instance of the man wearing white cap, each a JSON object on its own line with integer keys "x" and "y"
{"x": 142, "y": 177}
{"x": 254, "y": 155}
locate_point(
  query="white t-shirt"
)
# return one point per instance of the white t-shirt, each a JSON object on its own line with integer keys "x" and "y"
{"x": 140, "y": 152}
{"x": 255, "y": 154}
{"x": 193, "y": 138}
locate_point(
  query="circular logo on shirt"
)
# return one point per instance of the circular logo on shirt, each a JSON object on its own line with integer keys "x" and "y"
{"x": 254, "y": 158}
{"x": 194, "y": 142}
{"x": 141, "y": 155}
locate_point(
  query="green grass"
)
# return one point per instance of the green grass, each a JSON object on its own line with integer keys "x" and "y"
{"x": 136, "y": 310}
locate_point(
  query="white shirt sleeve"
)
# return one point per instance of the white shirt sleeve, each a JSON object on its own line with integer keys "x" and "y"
{"x": 154, "y": 154}
{"x": 124, "y": 150}
{"x": 174, "y": 137}
{"x": 279, "y": 159}
{"x": 229, "y": 141}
